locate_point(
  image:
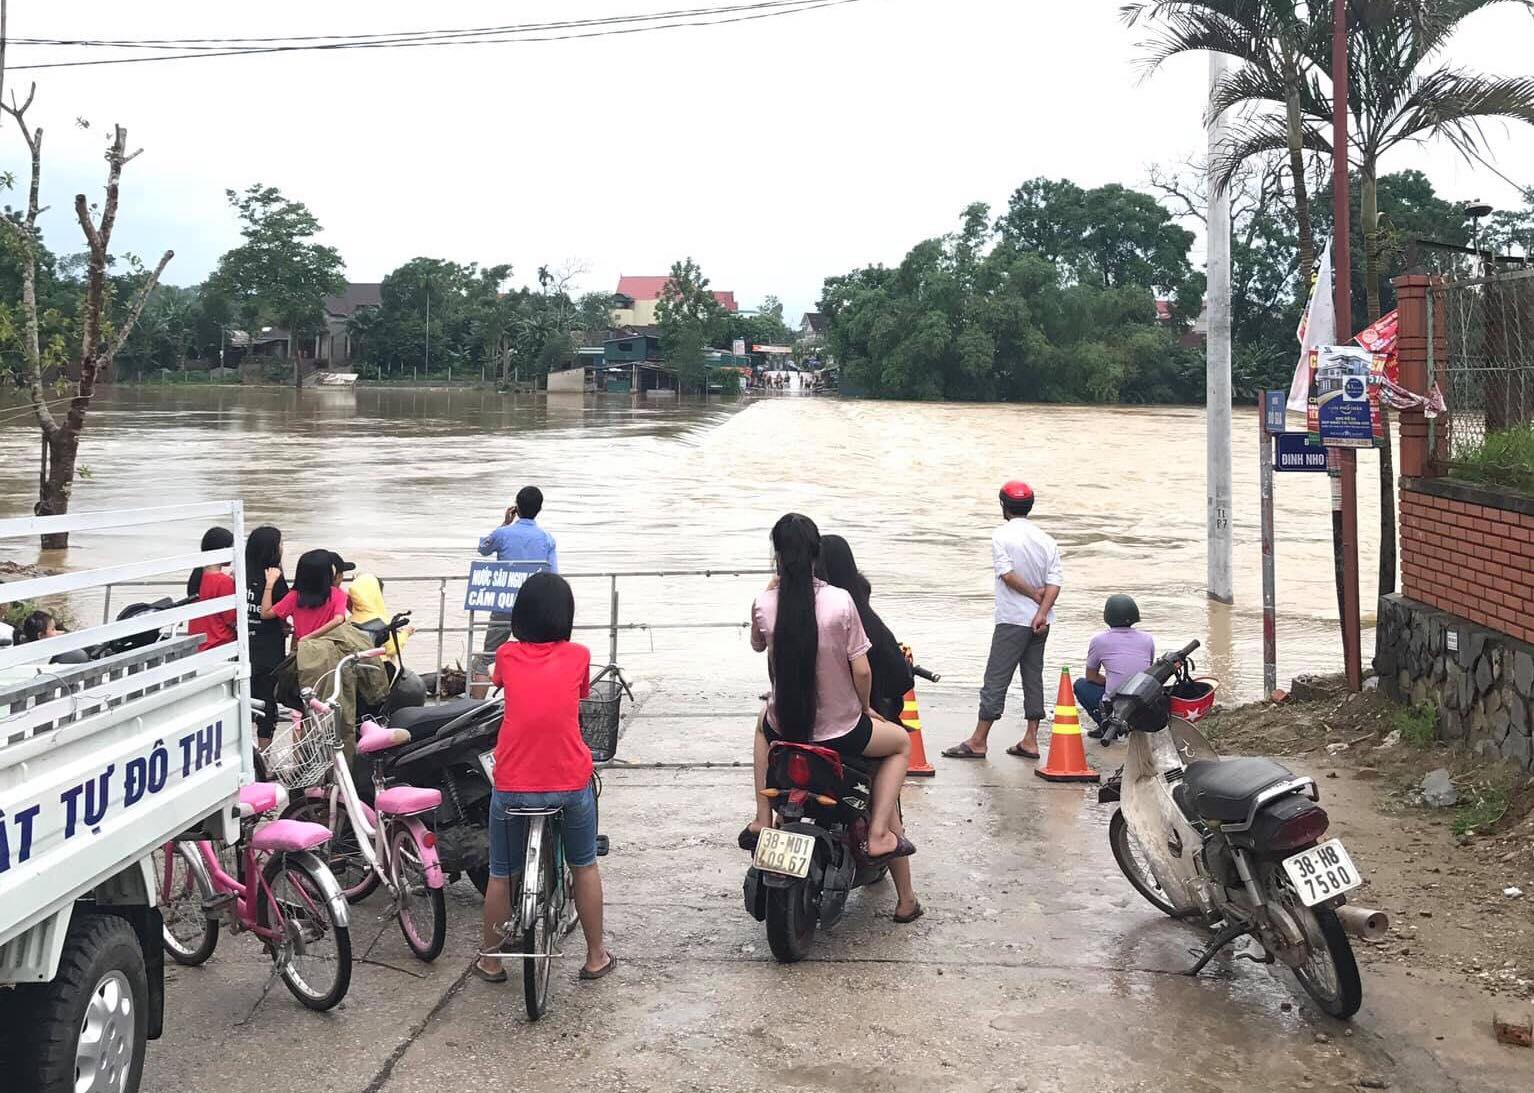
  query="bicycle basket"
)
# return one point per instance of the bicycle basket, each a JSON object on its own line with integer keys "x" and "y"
{"x": 300, "y": 754}
{"x": 600, "y": 714}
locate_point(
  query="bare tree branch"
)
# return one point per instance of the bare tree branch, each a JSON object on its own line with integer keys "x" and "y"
{"x": 26, "y": 233}
{"x": 139, "y": 299}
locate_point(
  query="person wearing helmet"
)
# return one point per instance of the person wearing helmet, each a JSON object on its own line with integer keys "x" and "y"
{"x": 1026, "y": 561}
{"x": 1113, "y": 656}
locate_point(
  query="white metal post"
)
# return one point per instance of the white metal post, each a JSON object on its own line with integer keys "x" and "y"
{"x": 1217, "y": 384}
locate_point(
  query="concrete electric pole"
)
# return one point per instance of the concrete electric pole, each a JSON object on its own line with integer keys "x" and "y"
{"x": 1217, "y": 385}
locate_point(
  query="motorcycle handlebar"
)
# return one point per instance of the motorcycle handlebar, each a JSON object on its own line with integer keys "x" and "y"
{"x": 1165, "y": 666}
{"x": 921, "y": 673}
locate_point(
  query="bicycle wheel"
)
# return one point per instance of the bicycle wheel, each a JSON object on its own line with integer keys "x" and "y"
{"x": 313, "y": 950}
{"x": 190, "y": 934}
{"x": 422, "y": 908}
{"x": 538, "y": 935}
{"x": 343, "y": 854}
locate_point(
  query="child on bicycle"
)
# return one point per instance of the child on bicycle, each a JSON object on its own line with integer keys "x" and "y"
{"x": 541, "y": 761}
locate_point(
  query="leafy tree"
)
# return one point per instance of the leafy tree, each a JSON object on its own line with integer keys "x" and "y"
{"x": 690, "y": 321}
{"x": 279, "y": 272}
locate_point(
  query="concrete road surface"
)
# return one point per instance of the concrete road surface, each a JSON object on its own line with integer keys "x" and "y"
{"x": 1036, "y": 967}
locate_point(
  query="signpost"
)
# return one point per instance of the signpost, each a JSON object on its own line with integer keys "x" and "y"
{"x": 1297, "y": 452}
{"x": 493, "y": 586}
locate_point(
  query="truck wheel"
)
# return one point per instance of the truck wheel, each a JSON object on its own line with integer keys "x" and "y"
{"x": 88, "y": 1026}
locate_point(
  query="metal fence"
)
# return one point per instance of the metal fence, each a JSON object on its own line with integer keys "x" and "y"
{"x": 1488, "y": 379}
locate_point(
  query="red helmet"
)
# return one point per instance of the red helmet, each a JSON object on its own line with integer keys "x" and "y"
{"x": 1017, "y": 498}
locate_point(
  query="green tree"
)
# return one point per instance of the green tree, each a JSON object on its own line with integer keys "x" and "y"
{"x": 690, "y": 321}
{"x": 279, "y": 272}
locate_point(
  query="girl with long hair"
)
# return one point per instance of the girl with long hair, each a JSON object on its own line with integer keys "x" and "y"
{"x": 821, "y": 689}
{"x": 268, "y": 636}
{"x": 892, "y": 671}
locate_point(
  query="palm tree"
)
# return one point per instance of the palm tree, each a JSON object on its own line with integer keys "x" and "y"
{"x": 1272, "y": 41}
{"x": 1397, "y": 94}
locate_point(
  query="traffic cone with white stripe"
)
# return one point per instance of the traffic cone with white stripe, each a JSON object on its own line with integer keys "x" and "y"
{"x": 1067, "y": 761}
{"x": 910, "y": 717}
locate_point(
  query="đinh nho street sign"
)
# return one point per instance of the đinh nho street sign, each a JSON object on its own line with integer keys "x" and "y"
{"x": 1298, "y": 452}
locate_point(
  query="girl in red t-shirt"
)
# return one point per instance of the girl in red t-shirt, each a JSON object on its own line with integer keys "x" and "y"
{"x": 541, "y": 761}
{"x": 315, "y": 605}
{"x": 212, "y": 582}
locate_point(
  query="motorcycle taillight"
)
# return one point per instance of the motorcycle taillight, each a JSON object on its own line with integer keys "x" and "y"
{"x": 799, "y": 770}
{"x": 1299, "y": 830}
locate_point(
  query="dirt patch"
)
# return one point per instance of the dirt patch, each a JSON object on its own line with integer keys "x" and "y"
{"x": 1441, "y": 873}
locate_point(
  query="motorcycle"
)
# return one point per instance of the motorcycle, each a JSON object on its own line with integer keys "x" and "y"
{"x": 808, "y": 863}
{"x": 1237, "y": 843}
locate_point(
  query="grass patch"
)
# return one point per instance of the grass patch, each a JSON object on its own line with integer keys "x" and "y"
{"x": 1417, "y": 725}
{"x": 1485, "y": 804}
{"x": 1504, "y": 458}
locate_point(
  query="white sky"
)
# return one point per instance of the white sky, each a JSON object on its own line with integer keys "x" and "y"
{"x": 774, "y": 152}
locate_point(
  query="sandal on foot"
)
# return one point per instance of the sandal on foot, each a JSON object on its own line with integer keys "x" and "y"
{"x": 904, "y": 848}
{"x": 1022, "y": 752}
{"x": 962, "y": 750}
{"x": 748, "y": 839}
{"x": 489, "y": 977}
{"x": 912, "y": 917}
{"x": 605, "y": 969}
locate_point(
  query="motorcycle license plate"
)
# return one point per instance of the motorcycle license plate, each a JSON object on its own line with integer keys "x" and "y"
{"x": 487, "y": 762}
{"x": 1322, "y": 872}
{"x": 786, "y": 852}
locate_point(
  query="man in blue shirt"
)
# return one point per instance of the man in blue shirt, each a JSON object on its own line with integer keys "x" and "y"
{"x": 520, "y": 539}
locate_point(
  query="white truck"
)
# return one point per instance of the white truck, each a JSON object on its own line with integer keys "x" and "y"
{"x": 100, "y": 763}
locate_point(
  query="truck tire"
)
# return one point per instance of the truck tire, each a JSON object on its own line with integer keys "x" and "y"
{"x": 86, "y": 1030}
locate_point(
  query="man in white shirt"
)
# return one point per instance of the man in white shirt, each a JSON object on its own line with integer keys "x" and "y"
{"x": 1028, "y": 578}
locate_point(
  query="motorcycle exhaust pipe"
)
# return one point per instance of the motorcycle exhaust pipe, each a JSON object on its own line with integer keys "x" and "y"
{"x": 1364, "y": 923}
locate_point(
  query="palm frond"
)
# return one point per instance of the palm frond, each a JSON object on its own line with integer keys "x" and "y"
{"x": 1451, "y": 103}
{"x": 1256, "y": 136}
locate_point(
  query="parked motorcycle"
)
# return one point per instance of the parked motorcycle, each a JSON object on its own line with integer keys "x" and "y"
{"x": 807, "y": 865}
{"x": 1235, "y": 842}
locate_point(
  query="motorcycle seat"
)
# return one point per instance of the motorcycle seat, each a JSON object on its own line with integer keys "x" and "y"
{"x": 1223, "y": 790}
{"x": 423, "y": 722}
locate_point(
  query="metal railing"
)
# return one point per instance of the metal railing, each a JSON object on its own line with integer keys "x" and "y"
{"x": 1488, "y": 378}
{"x": 446, "y": 583}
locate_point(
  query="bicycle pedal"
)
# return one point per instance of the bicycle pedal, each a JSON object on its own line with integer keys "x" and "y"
{"x": 602, "y": 846}
{"x": 218, "y": 903}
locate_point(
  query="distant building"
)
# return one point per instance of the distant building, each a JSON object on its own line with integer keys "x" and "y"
{"x": 335, "y": 344}
{"x": 813, "y": 327}
{"x": 634, "y": 302}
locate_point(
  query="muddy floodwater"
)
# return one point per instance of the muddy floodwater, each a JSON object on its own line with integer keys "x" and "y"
{"x": 405, "y": 482}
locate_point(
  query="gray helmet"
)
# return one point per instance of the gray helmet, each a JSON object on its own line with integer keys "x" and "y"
{"x": 1121, "y": 610}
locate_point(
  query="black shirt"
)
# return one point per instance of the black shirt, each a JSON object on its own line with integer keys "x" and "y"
{"x": 891, "y": 671}
{"x": 268, "y": 637}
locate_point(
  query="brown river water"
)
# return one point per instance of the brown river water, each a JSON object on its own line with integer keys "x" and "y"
{"x": 405, "y": 481}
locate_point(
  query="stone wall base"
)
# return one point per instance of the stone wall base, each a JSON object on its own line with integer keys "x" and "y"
{"x": 1479, "y": 680}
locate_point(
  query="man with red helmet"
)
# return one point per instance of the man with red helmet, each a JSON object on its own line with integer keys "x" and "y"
{"x": 1028, "y": 577}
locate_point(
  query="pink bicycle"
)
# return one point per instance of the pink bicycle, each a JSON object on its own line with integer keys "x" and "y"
{"x": 280, "y": 891}
{"x": 387, "y": 843}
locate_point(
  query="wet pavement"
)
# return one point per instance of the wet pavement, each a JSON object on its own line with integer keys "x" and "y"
{"x": 1035, "y": 968}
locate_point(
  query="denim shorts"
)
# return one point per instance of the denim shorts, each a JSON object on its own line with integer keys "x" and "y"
{"x": 508, "y": 834}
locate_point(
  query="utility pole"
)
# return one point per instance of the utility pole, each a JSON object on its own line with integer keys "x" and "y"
{"x": 428, "y": 326}
{"x": 1342, "y": 294}
{"x": 1217, "y": 367}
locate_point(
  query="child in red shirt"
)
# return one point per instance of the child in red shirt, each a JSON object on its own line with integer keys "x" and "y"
{"x": 541, "y": 761}
{"x": 316, "y": 605}
{"x": 212, "y": 582}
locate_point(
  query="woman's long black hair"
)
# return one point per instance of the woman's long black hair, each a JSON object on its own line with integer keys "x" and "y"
{"x": 838, "y": 567}
{"x": 313, "y": 577}
{"x": 891, "y": 670}
{"x": 263, "y": 551}
{"x": 795, "y": 637}
{"x": 212, "y": 539}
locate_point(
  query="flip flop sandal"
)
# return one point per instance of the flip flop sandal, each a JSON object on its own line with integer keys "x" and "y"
{"x": 748, "y": 839}
{"x": 904, "y": 848}
{"x": 487, "y": 977}
{"x": 963, "y": 751}
{"x": 604, "y": 970}
{"x": 912, "y": 917}
{"x": 1022, "y": 752}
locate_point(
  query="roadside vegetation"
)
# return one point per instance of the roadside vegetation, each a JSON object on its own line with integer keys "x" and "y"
{"x": 1505, "y": 458}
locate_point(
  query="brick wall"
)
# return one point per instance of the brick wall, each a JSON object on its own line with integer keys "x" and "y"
{"x": 1469, "y": 552}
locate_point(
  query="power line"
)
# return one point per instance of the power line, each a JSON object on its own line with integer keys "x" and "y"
{"x": 617, "y": 25}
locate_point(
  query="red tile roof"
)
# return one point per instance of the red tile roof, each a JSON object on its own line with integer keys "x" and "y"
{"x": 650, "y": 288}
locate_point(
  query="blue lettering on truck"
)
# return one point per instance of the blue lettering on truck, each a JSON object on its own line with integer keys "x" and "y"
{"x": 87, "y": 805}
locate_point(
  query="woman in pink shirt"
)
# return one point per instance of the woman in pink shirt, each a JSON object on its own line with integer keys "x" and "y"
{"x": 818, "y": 663}
{"x": 315, "y": 605}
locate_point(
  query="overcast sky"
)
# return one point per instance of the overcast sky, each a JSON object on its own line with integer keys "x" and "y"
{"x": 775, "y": 152}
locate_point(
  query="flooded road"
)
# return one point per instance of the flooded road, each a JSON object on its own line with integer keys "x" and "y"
{"x": 405, "y": 482}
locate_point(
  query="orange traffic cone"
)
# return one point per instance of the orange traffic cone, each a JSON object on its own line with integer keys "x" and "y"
{"x": 910, "y": 717}
{"x": 1067, "y": 760}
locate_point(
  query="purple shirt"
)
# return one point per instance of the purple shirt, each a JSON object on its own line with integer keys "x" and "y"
{"x": 1120, "y": 653}
{"x": 842, "y": 640}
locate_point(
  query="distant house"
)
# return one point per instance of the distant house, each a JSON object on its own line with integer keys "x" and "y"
{"x": 335, "y": 344}
{"x": 813, "y": 327}
{"x": 634, "y": 302}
